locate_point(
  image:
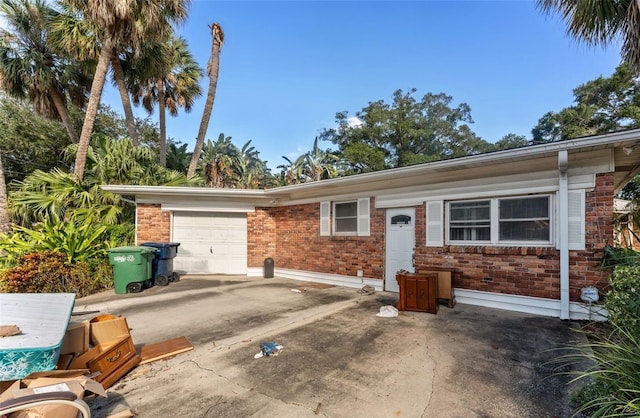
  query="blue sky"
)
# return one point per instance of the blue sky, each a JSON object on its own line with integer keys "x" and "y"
{"x": 287, "y": 67}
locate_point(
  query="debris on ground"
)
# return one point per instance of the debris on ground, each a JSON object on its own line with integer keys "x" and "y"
{"x": 269, "y": 349}
{"x": 164, "y": 349}
{"x": 388, "y": 311}
{"x": 367, "y": 290}
{"x": 128, "y": 413}
{"x": 302, "y": 290}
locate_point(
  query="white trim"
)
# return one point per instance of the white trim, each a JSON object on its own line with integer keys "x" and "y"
{"x": 208, "y": 207}
{"x": 528, "y": 304}
{"x": 328, "y": 278}
{"x": 255, "y": 271}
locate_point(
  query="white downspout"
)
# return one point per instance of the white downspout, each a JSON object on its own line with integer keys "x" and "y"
{"x": 563, "y": 225}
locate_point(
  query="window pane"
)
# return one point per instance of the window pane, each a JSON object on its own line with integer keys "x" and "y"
{"x": 346, "y": 225}
{"x": 470, "y": 221}
{"x": 528, "y": 208}
{"x": 346, "y": 209}
{"x": 346, "y": 217}
{"x": 525, "y": 219}
{"x": 524, "y": 231}
{"x": 470, "y": 211}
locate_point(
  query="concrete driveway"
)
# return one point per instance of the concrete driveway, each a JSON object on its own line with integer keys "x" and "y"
{"x": 339, "y": 358}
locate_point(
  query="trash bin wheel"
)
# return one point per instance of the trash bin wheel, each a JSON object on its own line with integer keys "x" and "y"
{"x": 135, "y": 287}
{"x": 176, "y": 277}
{"x": 161, "y": 280}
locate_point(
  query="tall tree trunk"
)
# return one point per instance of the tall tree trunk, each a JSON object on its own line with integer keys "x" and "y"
{"x": 118, "y": 75}
{"x": 58, "y": 101}
{"x": 212, "y": 70}
{"x": 5, "y": 222}
{"x": 92, "y": 109}
{"x": 163, "y": 123}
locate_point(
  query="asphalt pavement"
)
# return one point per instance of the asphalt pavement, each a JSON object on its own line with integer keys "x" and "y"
{"x": 338, "y": 359}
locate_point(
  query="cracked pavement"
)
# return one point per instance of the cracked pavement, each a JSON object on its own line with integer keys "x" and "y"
{"x": 339, "y": 358}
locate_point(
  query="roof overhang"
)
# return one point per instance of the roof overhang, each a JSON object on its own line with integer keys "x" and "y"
{"x": 624, "y": 147}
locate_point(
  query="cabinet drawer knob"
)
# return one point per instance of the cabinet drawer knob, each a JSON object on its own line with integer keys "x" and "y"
{"x": 115, "y": 357}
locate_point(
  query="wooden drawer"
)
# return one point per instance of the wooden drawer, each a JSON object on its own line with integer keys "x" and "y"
{"x": 114, "y": 360}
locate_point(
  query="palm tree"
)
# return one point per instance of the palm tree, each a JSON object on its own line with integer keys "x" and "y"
{"x": 217, "y": 160}
{"x": 293, "y": 171}
{"x": 123, "y": 23}
{"x": 178, "y": 157}
{"x": 213, "y": 67}
{"x": 319, "y": 164}
{"x": 602, "y": 22}
{"x": 170, "y": 77}
{"x": 5, "y": 223}
{"x": 249, "y": 169}
{"x": 30, "y": 68}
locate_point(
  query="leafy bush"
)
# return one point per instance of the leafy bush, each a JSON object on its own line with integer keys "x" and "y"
{"x": 77, "y": 242}
{"x": 120, "y": 235}
{"x": 623, "y": 298}
{"x": 50, "y": 272}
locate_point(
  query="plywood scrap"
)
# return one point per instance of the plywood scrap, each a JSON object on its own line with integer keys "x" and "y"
{"x": 128, "y": 413}
{"x": 165, "y": 349}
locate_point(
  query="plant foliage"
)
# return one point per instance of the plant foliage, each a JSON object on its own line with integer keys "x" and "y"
{"x": 623, "y": 298}
{"x": 78, "y": 242}
{"x": 50, "y": 272}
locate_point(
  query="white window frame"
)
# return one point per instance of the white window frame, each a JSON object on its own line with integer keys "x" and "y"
{"x": 334, "y": 220}
{"x": 362, "y": 217}
{"x": 495, "y": 223}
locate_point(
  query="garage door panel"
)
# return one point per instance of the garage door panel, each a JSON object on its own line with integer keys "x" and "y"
{"x": 210, "y": 242}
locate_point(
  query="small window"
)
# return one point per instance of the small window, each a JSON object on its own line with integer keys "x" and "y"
{"x": 346, "y": 218}
{"x": 401, "y": 220}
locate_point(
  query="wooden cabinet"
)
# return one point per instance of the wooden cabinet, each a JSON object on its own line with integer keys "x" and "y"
{"x": 418, "y": 292}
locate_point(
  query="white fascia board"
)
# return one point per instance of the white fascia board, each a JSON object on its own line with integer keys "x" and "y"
{"x": 158, "y": 191}
{"x": 236, "y": 207}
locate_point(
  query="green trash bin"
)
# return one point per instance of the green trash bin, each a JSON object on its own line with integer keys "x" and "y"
{"x": 131, "y": 267}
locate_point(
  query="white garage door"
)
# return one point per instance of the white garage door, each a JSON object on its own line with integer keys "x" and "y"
{"x": 210, "y": 242}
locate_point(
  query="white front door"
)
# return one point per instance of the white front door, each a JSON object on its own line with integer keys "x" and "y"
{"x": 210, "y": 242}
{"x": 401, "y": 242}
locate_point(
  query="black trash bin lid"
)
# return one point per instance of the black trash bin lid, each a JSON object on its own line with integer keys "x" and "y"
{"x": 161, "y": 244}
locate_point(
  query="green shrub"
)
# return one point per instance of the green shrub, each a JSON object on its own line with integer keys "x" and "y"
{"x": 623, "y": 298}
{"x": 77, "y": 242}
{"x": 611, "y": 362}
{"x": 50, "y": 272}
{"x": 120, "y": 235}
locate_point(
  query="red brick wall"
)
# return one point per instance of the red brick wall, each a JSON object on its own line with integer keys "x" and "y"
{"x": 153, "y": 224}
{"x": 261, "y": 236}
{"x": 528, "y": 271}
{"x": 299, "y": 246}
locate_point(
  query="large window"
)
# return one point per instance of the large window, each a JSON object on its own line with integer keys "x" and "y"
{"x": 512, "y": 220}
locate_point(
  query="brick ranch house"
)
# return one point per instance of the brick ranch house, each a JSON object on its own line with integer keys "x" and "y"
{"x": 522, "y": 229}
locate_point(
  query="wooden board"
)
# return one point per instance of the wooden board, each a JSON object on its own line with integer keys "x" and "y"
{"x": 164, "y": 349}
